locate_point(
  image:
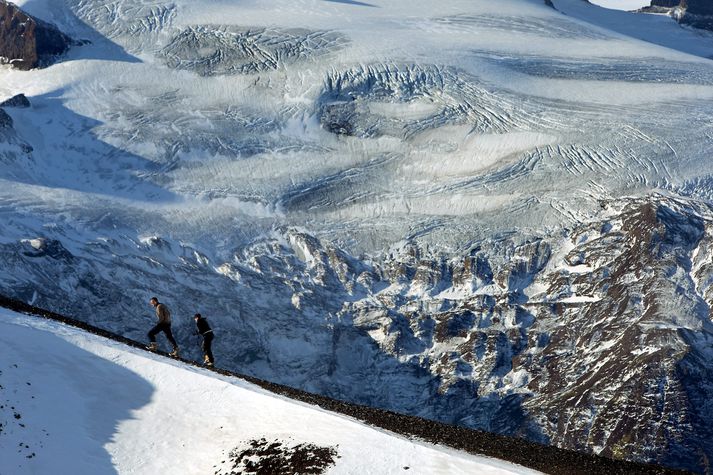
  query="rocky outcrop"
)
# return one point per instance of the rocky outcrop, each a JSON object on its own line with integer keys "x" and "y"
{"x": 696, "y": 13}
{"x": 27, "y": 42}
{"x": 20, "y": 100}
{"x": 12, "y": 147}
{"x": 5, "y": 120}
{"x": 665, "y": 3}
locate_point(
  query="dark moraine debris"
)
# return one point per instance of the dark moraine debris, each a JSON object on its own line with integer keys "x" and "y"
{"x": 27, "y": 42}
{"x": 278, "y": 458}
{"x": 19, "y": 100}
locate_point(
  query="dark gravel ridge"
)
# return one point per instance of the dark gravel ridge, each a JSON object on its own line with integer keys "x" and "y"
{"x": 544, "y": 458}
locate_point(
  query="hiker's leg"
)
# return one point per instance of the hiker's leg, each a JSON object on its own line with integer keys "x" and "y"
{"x": 169, "y": 335}
{"x": 207, "y": 343}
{"x": 153, "y": 332}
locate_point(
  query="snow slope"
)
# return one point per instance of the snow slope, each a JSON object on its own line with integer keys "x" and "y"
{"x": 90, "y": 405}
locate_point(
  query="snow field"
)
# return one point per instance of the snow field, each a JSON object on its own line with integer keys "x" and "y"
{"x": 621, "y": 4}
{"x": 95, "y": 406}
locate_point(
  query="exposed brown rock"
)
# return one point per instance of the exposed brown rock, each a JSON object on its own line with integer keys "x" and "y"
{"x": 27, "y": 42}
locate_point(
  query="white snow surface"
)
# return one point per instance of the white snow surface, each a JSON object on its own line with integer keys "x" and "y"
{"x": 89, "y": 405}
{"x": 621, "y": 4}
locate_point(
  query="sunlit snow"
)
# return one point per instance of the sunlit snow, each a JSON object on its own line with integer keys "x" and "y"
{"x": 84, "y": 404}
{"x": 621, "y": 4}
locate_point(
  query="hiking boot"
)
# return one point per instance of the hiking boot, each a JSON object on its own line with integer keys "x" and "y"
{"x": 153, "y": 346}
{"x": 174, "y": 353}
{"x": 209, "y": 364}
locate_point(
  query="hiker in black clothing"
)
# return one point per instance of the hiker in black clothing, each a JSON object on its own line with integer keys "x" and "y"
{"x": 205, "y": 331}
{"x": 163, "y": 325}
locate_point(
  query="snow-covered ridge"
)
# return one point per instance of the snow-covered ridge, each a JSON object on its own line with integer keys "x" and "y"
{"x": 71, "y": 402}
{"x": 78, "y": 357}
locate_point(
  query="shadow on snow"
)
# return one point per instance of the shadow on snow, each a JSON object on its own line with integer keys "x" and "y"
{"x": 78, "y": 401}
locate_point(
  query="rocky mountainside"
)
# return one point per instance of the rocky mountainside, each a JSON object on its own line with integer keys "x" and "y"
{"x": 600, "y": 341}
{"x": 27, "y": 42}
{"x": 596, "y": 339}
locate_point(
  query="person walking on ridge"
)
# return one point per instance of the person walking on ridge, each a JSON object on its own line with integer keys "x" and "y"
{"x": 163, "y": 325}
{"x": 207, "y": 333}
